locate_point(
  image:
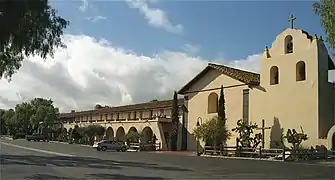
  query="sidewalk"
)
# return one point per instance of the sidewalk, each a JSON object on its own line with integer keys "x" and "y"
{"x": 180, "y": 153}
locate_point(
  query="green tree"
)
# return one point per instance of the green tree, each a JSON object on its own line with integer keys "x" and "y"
{"x": 221, "y": 106}
{"x": 27, "y": 28}
{"x": 12, "y": 125}
{"x": 133, "y": 137}
{"x": 98, "y": 106}
{"x": 76, "y": 134}
{"x": 36, "y": 115}
{"x": 213, "y": 132}
{"x": 23, "y": 113}
{"x": 326, "y": 10}
{"x": 2, "y": 122}
{"x": 44, "y": 112}
{"x": 245, "y": 132}
{"x": 175, "y": 122}
{"x": 94, "y": 130}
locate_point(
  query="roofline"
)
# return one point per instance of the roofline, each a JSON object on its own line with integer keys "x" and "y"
{"x": 105, "y": 110}
{"x": 233, "y": 68}
{"x": 182, "y": 91}
{"x": 185, "y": 87}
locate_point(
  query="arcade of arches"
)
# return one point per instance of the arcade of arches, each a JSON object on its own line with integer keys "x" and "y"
{"x": 119, "y": 134}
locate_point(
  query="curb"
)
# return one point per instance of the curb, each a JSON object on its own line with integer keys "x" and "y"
{"x": 179, "y": 153}
{"x": 83, "y": 145}
{"x": 331, "y": 164}
{"x": 58, "y": 142}
{"x": 243, "y": 158}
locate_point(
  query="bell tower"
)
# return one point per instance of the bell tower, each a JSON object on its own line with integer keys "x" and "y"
{"x": 294, "y": 79}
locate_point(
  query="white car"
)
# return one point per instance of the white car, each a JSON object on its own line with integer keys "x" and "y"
{"x": 110, "y": 145}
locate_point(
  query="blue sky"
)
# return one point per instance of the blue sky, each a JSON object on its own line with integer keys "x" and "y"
{"x": 132, "y": 51}
{"x": 217, "y": 29}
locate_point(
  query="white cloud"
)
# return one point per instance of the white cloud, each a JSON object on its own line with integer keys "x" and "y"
{"x": 96, "y": 18}
{"x": 84, "y": 5}
{"x": 192, "y": 49}
{"x": 91, "y": 71}
{"x": 156, "y": 17}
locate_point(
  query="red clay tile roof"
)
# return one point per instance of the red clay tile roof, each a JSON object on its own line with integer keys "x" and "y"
{"x": 246, "y": 77}
{"x": 143, "y": 106}
{"x": 238, "y": 74}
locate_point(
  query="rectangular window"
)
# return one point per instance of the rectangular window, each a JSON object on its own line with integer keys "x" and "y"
{"x": 245, "y": 106}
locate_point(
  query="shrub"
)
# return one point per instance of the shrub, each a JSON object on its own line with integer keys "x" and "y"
{"x": 213, "y": 132}
{"x": 245, "y": 131}
{"x": 295, "y": 138}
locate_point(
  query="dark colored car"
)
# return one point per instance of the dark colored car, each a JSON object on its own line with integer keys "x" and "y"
{"x": 37, "y": 137}
{"x": 19, "y": 136}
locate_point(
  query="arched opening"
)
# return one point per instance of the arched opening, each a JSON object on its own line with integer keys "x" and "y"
{"x": 274, "y": 75}
{"x": 109, "y": 133}
{"x": 212, "y": 103}
{"x": 132, "y": 136}
{"x": 333, "y": 142}
{"x": 132, "y": 129}
{"x": 288, "y": 44}
{"x": 120, "y": 134}
{"x": 301, "y": 71}
{"x": 147, "y": 135}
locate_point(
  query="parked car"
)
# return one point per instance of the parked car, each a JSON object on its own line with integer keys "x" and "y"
{"x": 37, "y": 137}
{"x": 19, "y": 136}
{"x": 110, "y": 145}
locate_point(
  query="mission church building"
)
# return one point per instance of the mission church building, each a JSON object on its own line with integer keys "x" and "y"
{"x": 290, "y": 91}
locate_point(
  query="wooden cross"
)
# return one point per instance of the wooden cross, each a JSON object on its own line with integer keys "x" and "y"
{"x": 291, "y": 20}
{"x": 263, "y": 128}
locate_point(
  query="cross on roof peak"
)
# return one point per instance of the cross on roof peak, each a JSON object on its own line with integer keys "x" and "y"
{"x": 291, "y": 20}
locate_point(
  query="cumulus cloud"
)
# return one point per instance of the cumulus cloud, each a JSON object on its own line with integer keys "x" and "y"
{"x": 91, "y": 71}
{"x": 155, "y": 17}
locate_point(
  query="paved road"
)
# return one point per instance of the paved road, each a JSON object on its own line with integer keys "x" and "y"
{"x": 21, "y": 159}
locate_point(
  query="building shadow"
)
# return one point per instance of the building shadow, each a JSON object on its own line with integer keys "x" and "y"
{"x": 50, "y": 177}
{"x": 92, "y": 176}
{"x": 123, "y": 177}
{"x": 276, "y": 134}
{"x": 80, "y": 162}
{"x": 261, "y": 88}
